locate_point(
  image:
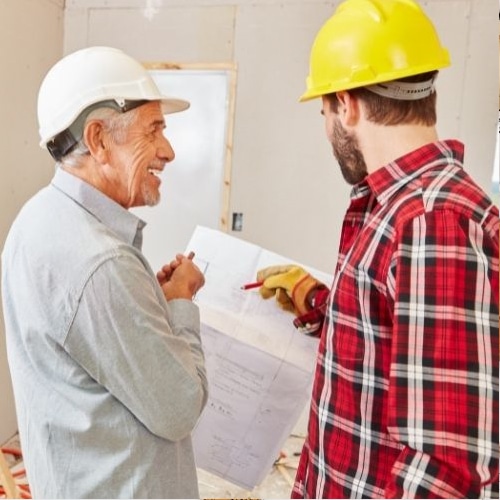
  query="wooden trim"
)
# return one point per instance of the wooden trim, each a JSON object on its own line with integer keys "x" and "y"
{"x": 187, "y": 66}
{"x": 6, "y": 479}
{"x": 226, "y": 188}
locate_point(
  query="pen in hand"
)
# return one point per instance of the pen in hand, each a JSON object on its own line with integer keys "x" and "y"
{"x": 249, "y": 286}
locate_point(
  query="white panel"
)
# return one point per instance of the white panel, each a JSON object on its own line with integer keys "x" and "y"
{"x": 76, "y": 29}
{"x": 178, "y": 34}
{"x": 159, "y": 4}
{"x": 450, "y": 82}
{"x": 495, "y": 178}
{"x": 478, "y": 123}
{"x": 285, "y": 180}
{"x": 467, "y": 90}
{"x": 192, "y": 185}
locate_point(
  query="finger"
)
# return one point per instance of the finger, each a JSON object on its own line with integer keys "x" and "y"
{"x": 283, "y": 300}
{"x": 276, "y": 281}
{"x": 164, "y": 274}
{"x": 266, "y": 293}
{"x": 175, "y": 264}
{"x": 272, "y": 271}
{"x": 165, "y": 270}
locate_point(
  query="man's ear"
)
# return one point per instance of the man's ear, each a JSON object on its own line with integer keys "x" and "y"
{"x": 93, "y": 135}
{"x": 348, "y": 109}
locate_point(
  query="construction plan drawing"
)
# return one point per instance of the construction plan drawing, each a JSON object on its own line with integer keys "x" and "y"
{"x": 259, "y": 367}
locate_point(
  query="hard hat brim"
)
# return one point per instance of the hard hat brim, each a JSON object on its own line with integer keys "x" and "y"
{"x": 173, "y": 105}
{"x": 168, "y": 106}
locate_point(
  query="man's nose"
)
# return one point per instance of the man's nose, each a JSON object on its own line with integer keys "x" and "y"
{"x": 165, "y": 150}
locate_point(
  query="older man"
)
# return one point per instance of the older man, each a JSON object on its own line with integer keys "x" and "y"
{"x": 105, "y": 356}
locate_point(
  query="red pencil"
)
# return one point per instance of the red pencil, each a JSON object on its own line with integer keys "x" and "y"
{"x": 249, "y": 286}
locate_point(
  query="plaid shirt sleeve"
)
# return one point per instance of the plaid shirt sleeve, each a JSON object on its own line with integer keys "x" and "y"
{"x": 311, "y": 323}
{"x": 443, "y": 391}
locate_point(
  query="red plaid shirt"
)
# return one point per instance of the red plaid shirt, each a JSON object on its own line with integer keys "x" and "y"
{"x": 405, "y": 398}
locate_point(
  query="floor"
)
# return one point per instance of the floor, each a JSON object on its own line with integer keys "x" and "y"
{"x": 13, "y": 460}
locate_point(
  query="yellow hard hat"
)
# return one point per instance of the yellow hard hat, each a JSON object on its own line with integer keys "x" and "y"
{"x": 371, "y": 41}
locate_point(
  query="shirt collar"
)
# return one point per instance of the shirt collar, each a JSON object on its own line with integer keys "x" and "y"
{"x": 125, "y": 224}
{"x": 389, "y": 179}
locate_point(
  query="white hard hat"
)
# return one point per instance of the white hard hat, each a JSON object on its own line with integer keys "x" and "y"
{"x": 95, "y": 75}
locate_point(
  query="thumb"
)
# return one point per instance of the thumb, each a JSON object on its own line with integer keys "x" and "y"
{"x": 286, "y": 280}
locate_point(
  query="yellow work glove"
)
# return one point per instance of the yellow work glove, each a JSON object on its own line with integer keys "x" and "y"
{"x": 290, "y": 285}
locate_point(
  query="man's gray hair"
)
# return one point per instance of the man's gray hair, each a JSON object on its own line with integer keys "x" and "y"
{"x": 114, "y": 122}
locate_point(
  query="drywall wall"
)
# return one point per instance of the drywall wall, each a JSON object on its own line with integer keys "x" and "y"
{"x": 284, "y": 179}
{"x": 31, "y": 37}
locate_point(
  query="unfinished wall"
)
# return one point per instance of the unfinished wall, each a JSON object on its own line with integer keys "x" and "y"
{"x": 285, "y": 180}
{"x": 31, "y": 34}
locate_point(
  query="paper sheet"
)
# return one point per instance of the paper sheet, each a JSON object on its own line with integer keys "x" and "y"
{"x": 259, "y": 366}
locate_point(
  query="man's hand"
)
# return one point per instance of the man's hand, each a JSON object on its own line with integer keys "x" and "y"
{"x": 290, "y": 285}
{"x": 180, "y": 279}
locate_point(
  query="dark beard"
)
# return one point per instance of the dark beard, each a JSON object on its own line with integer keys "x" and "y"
{"x": 349, "y": 157}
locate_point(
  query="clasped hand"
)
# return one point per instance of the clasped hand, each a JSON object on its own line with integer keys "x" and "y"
{"x": 180, "y": 279}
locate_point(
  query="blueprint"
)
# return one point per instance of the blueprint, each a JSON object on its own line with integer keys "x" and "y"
{"x": 259, "y": 367}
